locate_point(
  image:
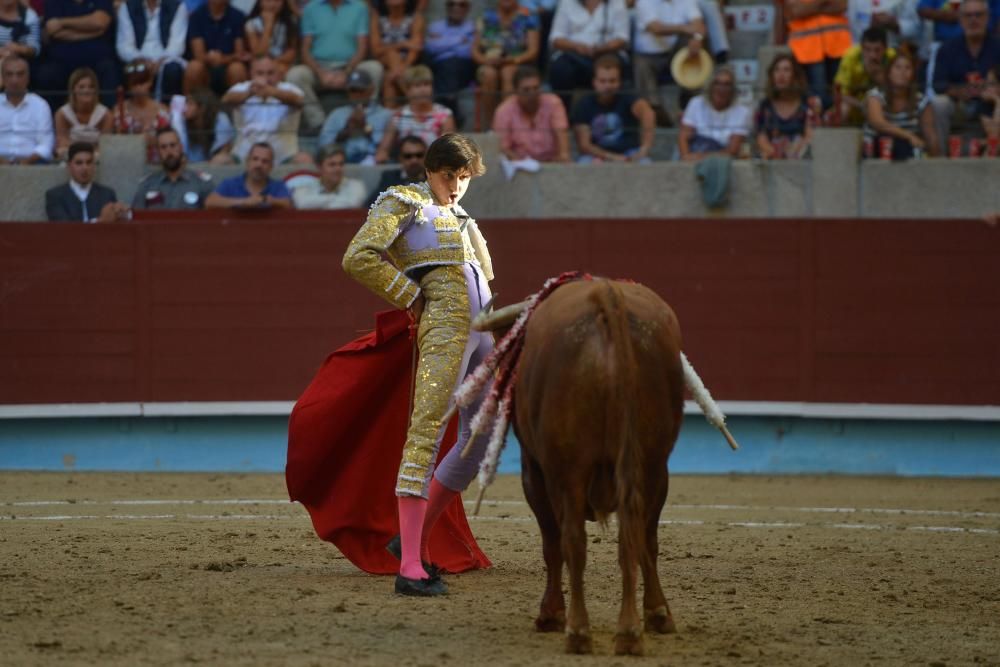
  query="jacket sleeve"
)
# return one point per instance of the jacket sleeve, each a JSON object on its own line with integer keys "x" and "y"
{"x": 364, "y": 261}
{"x": 55, "y": 207}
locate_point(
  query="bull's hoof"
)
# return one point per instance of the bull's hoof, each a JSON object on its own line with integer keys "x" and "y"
{"x": 659, "y": 620}
{"x": 628, "y": 643}
{"x": 579, "y": 643}
{"x": 554, "y": 623}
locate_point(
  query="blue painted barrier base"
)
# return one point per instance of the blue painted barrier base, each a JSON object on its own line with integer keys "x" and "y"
{"x": 769, "y": 445}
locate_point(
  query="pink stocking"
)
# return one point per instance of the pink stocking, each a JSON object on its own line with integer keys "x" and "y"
{"x": 440, "y": 497}
{"x": 411, "y": 521}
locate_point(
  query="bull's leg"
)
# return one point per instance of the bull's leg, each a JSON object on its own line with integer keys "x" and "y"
{"x": 631, "y": 531}
{"x": 552, "y": 613}
{"x": 654, "y": 604}
{"x": 574, "y": 547}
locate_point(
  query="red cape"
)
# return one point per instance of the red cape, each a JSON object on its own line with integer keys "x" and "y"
{"x": 345, "y": 443}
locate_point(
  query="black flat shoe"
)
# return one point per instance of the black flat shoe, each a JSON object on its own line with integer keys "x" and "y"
{"x": 431, "y": 587}
{"x": 395, "y": 547}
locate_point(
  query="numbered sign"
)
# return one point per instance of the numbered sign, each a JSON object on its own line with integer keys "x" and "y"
{"x": 746, "y": 70}
{"x": 751, "y": 18}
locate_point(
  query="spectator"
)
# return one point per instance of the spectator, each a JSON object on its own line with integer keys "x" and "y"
{"x": 82, "y": 199}
{"x": 421, "y": 116}
{"x": 265, "y": 110}
{"x": 397, "y": 36}
{"x": 20, "y": 32}
{"x": 785, "y": 119}
{"x": 714, "y": 123}
{"x": 331, "y": 189}
{"x": 505, "y": 38}
{"x": 80, "y": 34}
{"x": 334, "y": 44}
{"x": 545, "y": 10}
{"x": 175, "y": 186}
{"x": 532, "y": 124}
{"x": 139, "y": 112}
{"x": 610, "y": 125}
{"x": 862, "y": 68}
{"x": 360, "y": 124}
{"x": 960, "y": 71}
{"x": 943, "y": 14}
{"x": 216, "y": 46}
{"x": 206, "y": 132}
{"x": 990, "y": 114}
{"x": 583, "y": 30}
{"x": 272, "y": 29}
{"x": 448, "y": 52}
{"x": 662, "y": 27}
{"x": 411, "y": 158}
{"x": 155, "y": 31}
{"x": 255, "y": 188}
{"x": 83, "y": 118}
{"x": 819, "y": 35}
{"x": 898, "y": 112}
{"x": 25, "y": 119}
{"x": 898, "y": 18}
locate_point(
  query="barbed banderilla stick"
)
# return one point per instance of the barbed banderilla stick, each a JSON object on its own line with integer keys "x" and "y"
{"x": 705, "y": 401}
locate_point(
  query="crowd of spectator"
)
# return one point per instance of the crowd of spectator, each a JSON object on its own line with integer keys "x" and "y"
{"x": 556, "y": 80}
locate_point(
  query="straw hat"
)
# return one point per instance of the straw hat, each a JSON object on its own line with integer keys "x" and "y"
{"x": 691, "y": 73}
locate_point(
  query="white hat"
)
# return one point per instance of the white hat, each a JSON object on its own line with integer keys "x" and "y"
{"x": 691, "y": 73}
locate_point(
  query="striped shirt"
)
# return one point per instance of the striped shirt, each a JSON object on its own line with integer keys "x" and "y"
{"x": 27, "y": 30}
{"x": 907, "y": 119}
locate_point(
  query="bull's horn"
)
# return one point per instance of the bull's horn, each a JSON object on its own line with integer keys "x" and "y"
{"x": 498, "y": 319}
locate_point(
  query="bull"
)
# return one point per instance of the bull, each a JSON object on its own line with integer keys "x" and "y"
{"x": 599, "y": 400}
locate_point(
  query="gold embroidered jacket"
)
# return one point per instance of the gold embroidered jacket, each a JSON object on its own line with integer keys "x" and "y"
{"x": 406, "y": 226}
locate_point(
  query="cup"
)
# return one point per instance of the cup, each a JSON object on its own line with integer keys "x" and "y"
{"x": 975, "y": 147}
{"x": 954, "y": 146}
{"x": 868, "y": 149}
{"x": 992, "y": 146}
{"x": 885, "y": 148}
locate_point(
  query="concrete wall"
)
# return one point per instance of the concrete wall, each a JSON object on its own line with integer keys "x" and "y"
{"x": 833, "y": 184}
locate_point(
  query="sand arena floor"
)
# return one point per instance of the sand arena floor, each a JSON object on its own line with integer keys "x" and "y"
{"x": 164, "y": 569}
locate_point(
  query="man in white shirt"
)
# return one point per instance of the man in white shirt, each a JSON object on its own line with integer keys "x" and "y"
{"x": 81, "y": 199}
{"x": 266, "y": 110}
{"x": 25, "y": 118}
{"x": 662, "y": 27}
{"x": 331, "y": 189}
{"x": 582, "y": 31}
{"x": 155, "y": 30}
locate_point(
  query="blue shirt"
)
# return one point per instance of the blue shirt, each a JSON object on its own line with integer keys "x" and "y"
{"x": 445, "y": 40}
{"x": 219, "y": 35}
{"x": 613, "y": 127}
{"x": 335, "y": 30}
{"x": 356, "y": 148}
{"x": 956, "y": 66}
{"x": 945, "y": 31}
{"x": 86, "y": 52}
{"x": 236, "y": 187}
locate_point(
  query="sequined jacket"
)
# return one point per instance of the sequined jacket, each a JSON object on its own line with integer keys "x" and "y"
{"x": 407, "y": 227}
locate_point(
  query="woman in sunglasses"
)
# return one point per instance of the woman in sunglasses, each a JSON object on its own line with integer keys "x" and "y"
{"x": 420, "y": 251}
{"x": 137, "y": 111}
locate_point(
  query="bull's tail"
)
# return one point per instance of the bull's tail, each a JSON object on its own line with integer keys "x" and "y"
{"x": 624, "y": 387}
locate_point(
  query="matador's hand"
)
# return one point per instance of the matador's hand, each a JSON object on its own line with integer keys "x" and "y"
{"x": 416, "y": 309}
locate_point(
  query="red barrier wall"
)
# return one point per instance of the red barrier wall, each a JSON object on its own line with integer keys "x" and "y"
{"x": 203, "y": 309}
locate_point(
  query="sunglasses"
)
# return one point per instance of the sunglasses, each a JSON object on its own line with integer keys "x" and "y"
{"x": 456, "y": 4}
{"x": 135, "y": 68}
{"x": 411, "y": 156}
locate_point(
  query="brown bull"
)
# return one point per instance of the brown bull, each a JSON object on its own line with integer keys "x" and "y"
{"x": 598, "y": 405}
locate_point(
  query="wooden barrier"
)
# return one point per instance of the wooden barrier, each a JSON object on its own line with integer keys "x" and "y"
{"x": 245, "y": 306}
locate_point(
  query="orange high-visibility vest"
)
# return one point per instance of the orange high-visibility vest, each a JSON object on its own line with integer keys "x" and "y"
{"x": 818, "y": 37}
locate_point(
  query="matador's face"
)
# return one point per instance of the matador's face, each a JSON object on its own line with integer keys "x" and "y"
{"x": 449, "y": 185}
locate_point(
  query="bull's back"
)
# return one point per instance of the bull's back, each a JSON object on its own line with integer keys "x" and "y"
{"x": 574, "y": 377}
